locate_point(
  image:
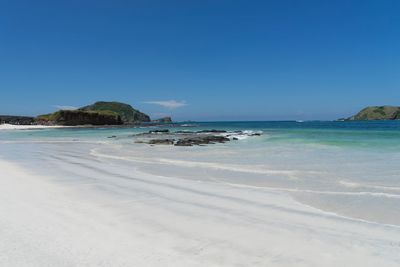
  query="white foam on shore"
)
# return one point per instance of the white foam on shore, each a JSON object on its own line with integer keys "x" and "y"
{"x": 27, "y": 127}
{"x": 358, "y": 185}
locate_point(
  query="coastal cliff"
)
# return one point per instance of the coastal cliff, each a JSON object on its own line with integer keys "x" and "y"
{"x": 377, "y": 113}
{"x": 78, "y": 117}
{"x": 99, "y": 113}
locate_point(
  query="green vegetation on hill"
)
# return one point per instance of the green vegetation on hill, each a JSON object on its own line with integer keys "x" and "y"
{"x": 128, "y": 113}
{"x": 100, "y": 113}
{"x": 378, "y": 113}
{"x": 79, "y": 117}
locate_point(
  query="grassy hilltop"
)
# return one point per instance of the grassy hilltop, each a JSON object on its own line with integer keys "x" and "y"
{"x": 378, "y": 113}
{"x": 99, "y": 113}
{"x": 127, "y": 112}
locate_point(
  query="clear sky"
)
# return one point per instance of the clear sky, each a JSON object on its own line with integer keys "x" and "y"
{"x": 199, "y": 59}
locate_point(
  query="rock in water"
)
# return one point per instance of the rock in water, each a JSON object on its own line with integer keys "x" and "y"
{"x": 212, "y": 131}
{"x": 161, "y": 142}
{"x": 163, "y": 120}
{"x": 202, "y": 140}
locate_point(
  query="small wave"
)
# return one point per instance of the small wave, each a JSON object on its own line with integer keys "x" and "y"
{"x": 357, "y": 185}
{"x": 241, "y": 135}
{"x": 349, "y": 184}
{"x": 296, "y": 190}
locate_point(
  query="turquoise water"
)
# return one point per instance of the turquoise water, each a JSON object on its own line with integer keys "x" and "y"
{"x": 374, "y": 134}
{"x": 349, "y": 168}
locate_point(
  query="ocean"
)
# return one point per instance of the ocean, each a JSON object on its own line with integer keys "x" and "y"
{"x": 350, "y": 169}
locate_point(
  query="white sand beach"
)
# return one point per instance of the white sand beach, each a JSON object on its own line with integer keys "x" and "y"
{"x": 96, "y": 212}
{"x": 199, "y": 133}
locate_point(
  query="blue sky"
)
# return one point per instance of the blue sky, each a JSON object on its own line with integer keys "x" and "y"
{"x": 201, "y": 60}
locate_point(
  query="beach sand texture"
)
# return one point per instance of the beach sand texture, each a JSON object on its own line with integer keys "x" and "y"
{"x": 107, "y": 217}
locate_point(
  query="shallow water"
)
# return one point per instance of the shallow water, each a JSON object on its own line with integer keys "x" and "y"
{"x": 348, "y": 168}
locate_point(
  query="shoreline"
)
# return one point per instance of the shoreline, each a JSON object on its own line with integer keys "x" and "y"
{"x": 7, "y": 126}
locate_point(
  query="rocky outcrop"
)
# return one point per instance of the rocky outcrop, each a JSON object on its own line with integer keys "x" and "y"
{"x": 79, "y": 117}
{"x": 190, "y": 138}
{"x": 163, "y": 120}
{"x": 202, "y": 140}
{"x": 17, "y": 120}
{"x": 377, "y": 113}
{"x": 128, "y": 114}
{"x": 161, "y": 142}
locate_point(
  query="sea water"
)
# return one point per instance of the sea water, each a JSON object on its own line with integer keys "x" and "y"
{"x": 347, "y": 168}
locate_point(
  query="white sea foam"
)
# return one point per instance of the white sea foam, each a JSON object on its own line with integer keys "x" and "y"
{"x": 358, "y": 185}
{"x": 241, "y": 135}
{"x": 27, "y": 127}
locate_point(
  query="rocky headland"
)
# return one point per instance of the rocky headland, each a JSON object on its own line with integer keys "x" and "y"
{"x": 376, "y": 113}
{"x": 99, "y": 113}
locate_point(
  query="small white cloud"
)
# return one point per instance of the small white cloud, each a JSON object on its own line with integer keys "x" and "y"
{"x": 65, "y": 107}
{"x": 171, "y": 104}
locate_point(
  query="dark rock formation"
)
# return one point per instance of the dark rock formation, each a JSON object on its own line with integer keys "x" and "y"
{"x": 79, "y": 117}
{"x": 254, "y": 134}
{"x": 16, "y": 120}
{"x": 189, "y": 138}
{"x": 161, "y": 142}
{"x": 211, "y": 131}
{"x": 202, "y": 140}
{"x": 184, "y": 132}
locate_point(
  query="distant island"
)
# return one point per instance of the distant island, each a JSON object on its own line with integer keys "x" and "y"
{"x": 117, "y": 113}
{"x": 163, "y": 120}
{"x": 99, "y": 113}
{"x": 376, "y": 113}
